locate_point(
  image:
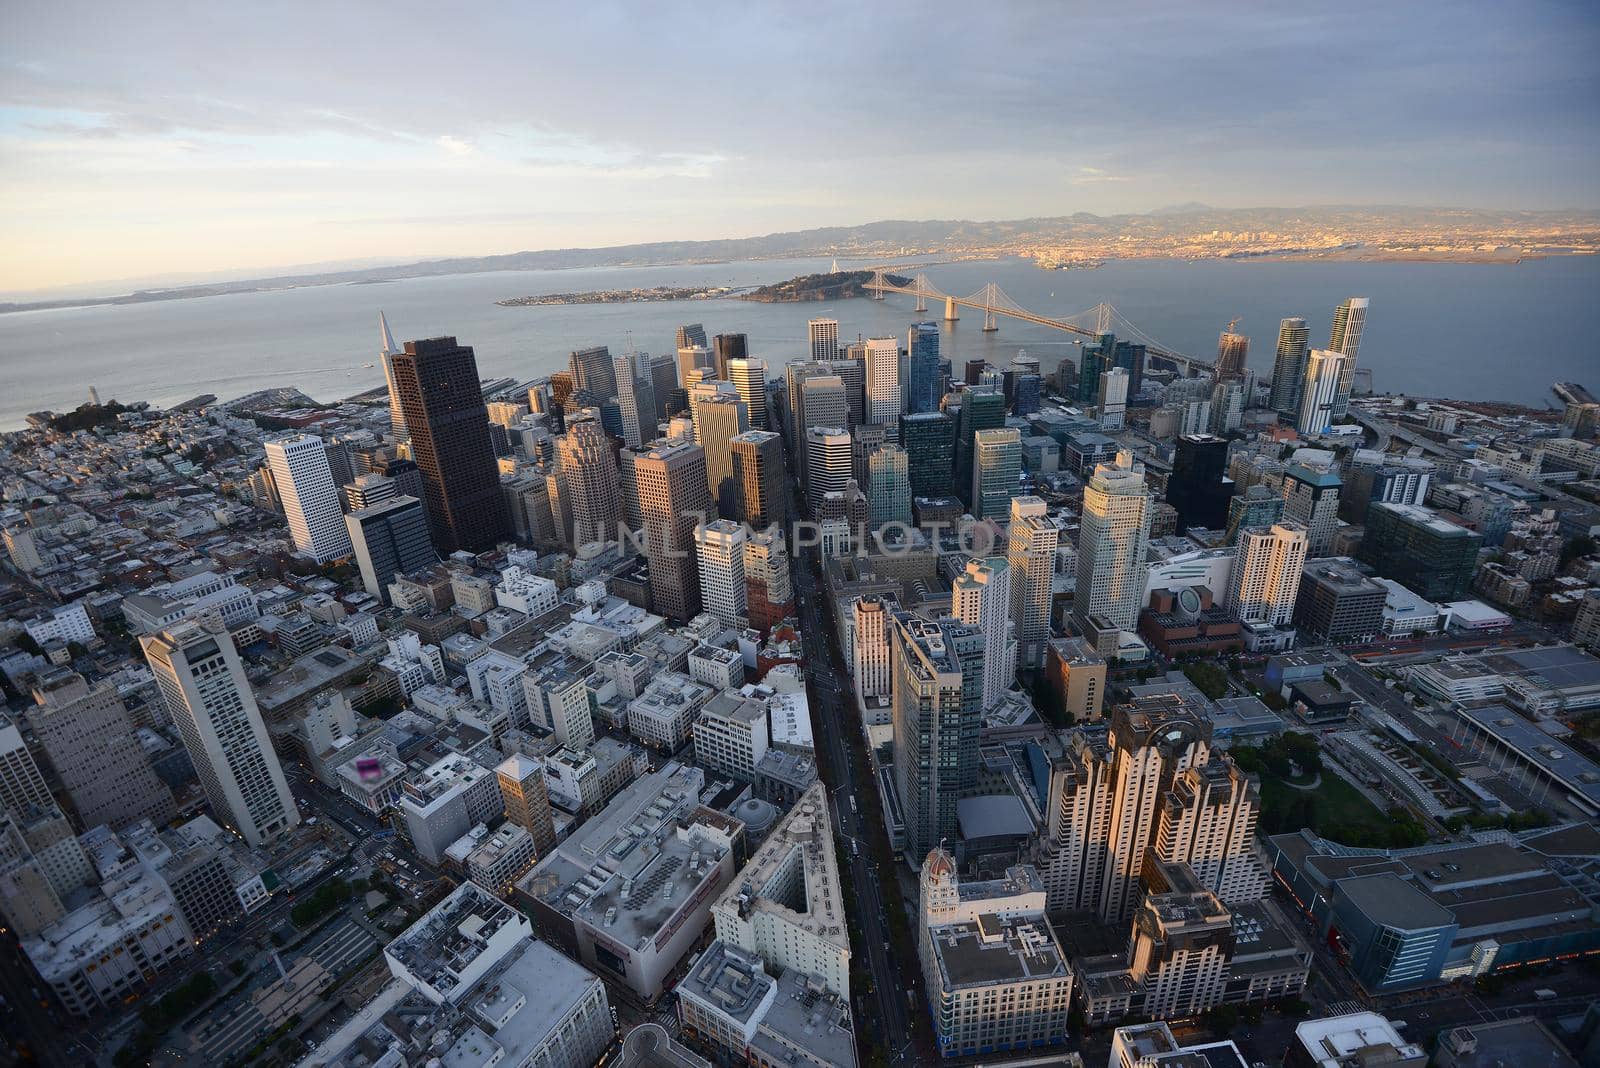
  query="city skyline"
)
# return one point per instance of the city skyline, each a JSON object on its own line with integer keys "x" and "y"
{"x": 116, "y": 133}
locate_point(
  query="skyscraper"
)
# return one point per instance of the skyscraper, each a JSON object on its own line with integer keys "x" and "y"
{"x": 1112, "y": 537}
{"x": 888, "y": 487}
{"x": 1289, "y": 366}
{"x": 690, "y": 334}
{"x": 1198, "y": 486}
{"x": 769, "y": 593}
{"x": 592, "y": 372}
{"x": 725, "y": 348}
{"x": 695, "y": 363}
{"x": 310, "y": 498}
{"x": 981, "y": 409}
{"x": 885, "y": 395}
{"x": 719, "y": 417}
{"x": 1228, "y": 399}
{"x": 1111, "y": 403}
{"x": 719, "y": 552}
{"x": 673, "y": 499}
{"x": 592, "y": 484}
{"x": 852, "y": 371}
{"x": 389, "y": 538}
{"x": 1232, "y": 353}
{"x": 929, "y": 439}
{"x": 1257, "y": 506}
{"x": 828, "y": 465}
{"x": 636, "y": 394}
{"x": 996, "y": 466}
{"x": 749, "y": 378}
{"x": 981, "y": 598}
{"x": 937, "y": 707}
{"x": 208, "y": 696}
{"x": 386, "y": 345}
{"x": 822, "y": 403}
{"x": 1319, "y": 392}
{"x": 1311, "y": 498}
{"x": 1266, "y": 573}
{"x": 759, "y": 480}
{"x": 1349, "y": 320}
{"x": 922, "y": 345}
{"x": 823, "y": 338}
{"x": 663, "y": 380}
{"x": 443, "y": 404}
{"x": 869, "y": 646}
{"x": 1031, "y": 543}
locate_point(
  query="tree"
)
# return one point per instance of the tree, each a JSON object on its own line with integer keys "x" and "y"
{"x": 1576, "y": 546}
{"x": 26, "y": 643}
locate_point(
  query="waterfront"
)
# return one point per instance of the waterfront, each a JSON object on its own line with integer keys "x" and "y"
{"x": 1470, "y": 331}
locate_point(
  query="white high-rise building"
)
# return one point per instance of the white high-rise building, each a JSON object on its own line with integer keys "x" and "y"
{"x": 208, "y": 696}
{"x": 636, "y": 395}
{"x": 888, "y": 486}
{"x": 886, "y": 399}
{"x": 828, "y": 461}
{"x": 397, "y": 417}
{"x": 870, "y": 646}
{"x": 749, "y": 378}
{"x": 1031, "y": 546}
{"x": 310, "y": 497}
{"x": 1111, "y": 404}
{"x": 824, "y": 337}
{"x": 1266, "y": 573}
{"x": 1319, "y": 395}
{"x": 1112, "y": 539}
{"x": 981, "y": 598}
{"x": 719, "y": 546}
{"x": 1349, "y": 320}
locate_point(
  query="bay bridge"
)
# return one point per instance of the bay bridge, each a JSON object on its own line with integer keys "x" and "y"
{"x": 994, "y": 303}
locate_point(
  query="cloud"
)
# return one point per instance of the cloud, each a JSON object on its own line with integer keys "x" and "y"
{"x": 455, "y": 146}
{"x": 1096, "y": 176}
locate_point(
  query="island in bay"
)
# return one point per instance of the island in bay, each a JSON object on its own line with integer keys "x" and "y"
{"x": 622, "y": 296}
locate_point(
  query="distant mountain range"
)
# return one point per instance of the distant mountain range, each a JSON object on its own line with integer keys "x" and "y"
{"x": 1186, "y": 231}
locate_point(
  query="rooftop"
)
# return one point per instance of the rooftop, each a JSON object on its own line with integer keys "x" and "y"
{"x": 451, "y": 946}
{"x": 997, "y": 950}
{"x": 814, "y": 901}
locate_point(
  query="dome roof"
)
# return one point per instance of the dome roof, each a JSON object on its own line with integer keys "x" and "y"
{"x": 939, "y": 865}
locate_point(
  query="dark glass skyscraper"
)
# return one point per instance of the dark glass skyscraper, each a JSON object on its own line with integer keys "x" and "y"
{"x": 923, "y": 374}
{"x": 1197, "y": 487}
{"x": 981, "y": 409}
{"x": 437, "y": 383}
{"x": 725, "y": 347}
{"x": 1289, "y": 366}
{"x": 929, "y": 439}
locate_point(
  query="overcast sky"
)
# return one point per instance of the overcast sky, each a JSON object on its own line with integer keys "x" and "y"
{"x": 148, "y": 140}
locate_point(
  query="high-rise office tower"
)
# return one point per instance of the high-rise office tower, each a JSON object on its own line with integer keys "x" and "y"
{"x": 690, "y": 334}
{"x": 673, "y": 500}
{"x": 719, "y": 416}
{"x": 85, "y": 732}
{"x": 1208, "y": 822}
{"x": 299, "y": 467}
{"x": 981, "y": 409}
{"x": 695, "y": 364}
{"x": 929, "y": 439}
{"x": 823, "y": 338}
{"x": 769, "y": 592}
{"x": 593, "y": 372}
{"x": 1111, "y": 403}
{"x": 937, "y": 706}
{"x": 1257, "y": 506}
{"x": 749, "y": 378}
{"x": 1349, "y": 320}
{"x": 885, "y": 394}
{"x": 663, "y": 380}
{"x": 1102, "y": 354}
{"x": 981, "y": 598}
{"x": 1232, "y": 353}
{"x": 636, "y": 395}
{"x": 760, "y": 484}
{"x": 865, "y": 440}
{"x": 1183, "y": 941}
{"x": 367, "y": 491}
{"x": 888, "y": 487}
{"x": 822, "y": 403}
{"x": 1228, "y": 399}
{"x": 1319, "y": 392}
{"x": 1311, "y": 498}
{"x": 1112, "y": 538}
{"x": 1199, "y": 487}
{"x": 593, "y": 485}
{"x": 449, "y": 426}
{"x": 526, "y": 800}
{"x": 1031, "y": 544}
{"x": 1266, "y": 573}
{"x": 387, "y": 348}
{"x": 725, "y": 348}
{"x": 922, "y": 368}
{"x": 996, "y": 467}
{"x": 389, "y": 539}
{"x": 208, "y": 696}
{"x": 828, "y": 465}
{"x": 42, "y": 827}
{"x": 1289, "y": 366}
{"x": 719, "y": 552}
{"x": 852, "y": 371}
{"x": 869, "y": 646}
